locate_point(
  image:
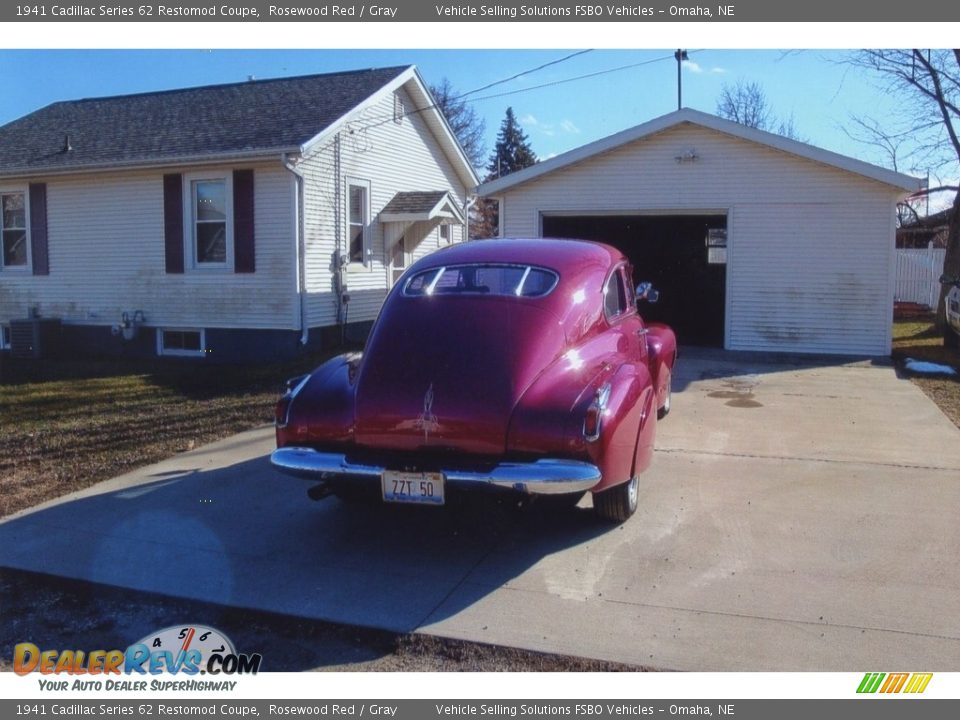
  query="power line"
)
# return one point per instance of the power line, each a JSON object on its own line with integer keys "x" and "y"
{"x": 382, "y": 120}
{"x": 525, "y": 72}
{"x": 374, "y": 122}
{"x": 572, "y": 79}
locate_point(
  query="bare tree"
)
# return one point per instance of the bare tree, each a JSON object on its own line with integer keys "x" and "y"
{"x": 746, "y": 103}
{"x": 466, "y": 124}
{"x": 927, "y": 86}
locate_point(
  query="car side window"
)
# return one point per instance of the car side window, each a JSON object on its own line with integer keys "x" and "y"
{"x": 614, "y": 296}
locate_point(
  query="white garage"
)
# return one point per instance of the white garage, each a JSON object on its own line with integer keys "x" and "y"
{"x": 756, "y": 241}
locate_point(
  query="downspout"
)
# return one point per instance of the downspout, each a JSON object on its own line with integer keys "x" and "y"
{"x": 468, "y": 203}
{"x": 301, "y": 248}
{"x": 340, "y": 256}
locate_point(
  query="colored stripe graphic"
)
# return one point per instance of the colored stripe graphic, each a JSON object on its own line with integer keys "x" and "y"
{"x": 870, "y": 682}
{"x": 918, "y": 683}
{"x": 894, "y": 682}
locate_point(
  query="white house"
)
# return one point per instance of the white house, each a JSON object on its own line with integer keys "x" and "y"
{"x": 756, "y": 241}
{"x": 230, "y": 222}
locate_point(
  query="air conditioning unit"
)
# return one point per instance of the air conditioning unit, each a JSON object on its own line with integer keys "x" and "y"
{"x": 34, "y": 338}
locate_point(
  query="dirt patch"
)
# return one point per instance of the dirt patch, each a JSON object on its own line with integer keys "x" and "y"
{"x": 66, "y": 425}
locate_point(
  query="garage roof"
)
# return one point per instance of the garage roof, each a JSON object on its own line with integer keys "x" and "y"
{"x": 695, "y": 117}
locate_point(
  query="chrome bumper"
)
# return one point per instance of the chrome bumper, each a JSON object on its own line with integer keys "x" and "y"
{"x": 540, "y": 477}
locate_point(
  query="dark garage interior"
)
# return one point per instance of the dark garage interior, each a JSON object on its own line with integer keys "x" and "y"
{"x": 672, "y": 252}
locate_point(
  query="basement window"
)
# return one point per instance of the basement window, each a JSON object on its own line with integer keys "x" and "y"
{"x": 182, "y": 343}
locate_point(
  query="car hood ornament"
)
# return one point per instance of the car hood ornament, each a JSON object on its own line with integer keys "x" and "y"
{"x": 427, "y": 421}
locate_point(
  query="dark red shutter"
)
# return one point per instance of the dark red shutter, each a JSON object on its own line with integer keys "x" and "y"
{"x": 244, "y": 255}
{"x": 173, "y": 222}
{"x": 38, "y": 229}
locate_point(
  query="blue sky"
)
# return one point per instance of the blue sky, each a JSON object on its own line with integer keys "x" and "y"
{"x": 814, "y": 86}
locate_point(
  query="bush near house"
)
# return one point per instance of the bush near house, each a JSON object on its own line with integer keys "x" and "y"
{"x": 65, "y": 425}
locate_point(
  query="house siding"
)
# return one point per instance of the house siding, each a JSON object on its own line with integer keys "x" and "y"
{"x": 809, "y": 245}
{"x": 107, "y": 256}
{"x": 392, "y": 157}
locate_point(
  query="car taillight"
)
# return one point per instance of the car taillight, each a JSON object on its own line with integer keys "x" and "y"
{"x": 282, "y": 411}
{"x": 593, "y": 420}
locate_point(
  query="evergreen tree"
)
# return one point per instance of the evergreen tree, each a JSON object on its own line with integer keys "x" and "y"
{"x": 511, "y": 153}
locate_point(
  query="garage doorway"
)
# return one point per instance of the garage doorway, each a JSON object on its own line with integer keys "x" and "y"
{"x": 684, "y": 256}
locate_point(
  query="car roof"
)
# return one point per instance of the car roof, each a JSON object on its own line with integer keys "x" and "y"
{"x": 561, "y": 255}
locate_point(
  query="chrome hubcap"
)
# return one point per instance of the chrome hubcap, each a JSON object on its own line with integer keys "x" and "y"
{"x": 632, "y": 490}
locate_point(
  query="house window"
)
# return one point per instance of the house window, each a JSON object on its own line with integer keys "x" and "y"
{"x": 209, "y": 200}
{"x": 4, "y": 337}
{"x": 184, "y": 343}
{"x": 13, "y": 228}
{"x": 358, "y": 198}
{"x": 444, "y": 234}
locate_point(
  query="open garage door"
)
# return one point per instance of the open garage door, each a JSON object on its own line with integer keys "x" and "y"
{"x": 683, "y": 255}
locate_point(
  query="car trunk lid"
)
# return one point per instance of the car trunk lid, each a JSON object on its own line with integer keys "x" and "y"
{"x": 444, "y": 373}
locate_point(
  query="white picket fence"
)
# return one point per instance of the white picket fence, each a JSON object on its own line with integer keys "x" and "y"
{"x": 918, "y": 275}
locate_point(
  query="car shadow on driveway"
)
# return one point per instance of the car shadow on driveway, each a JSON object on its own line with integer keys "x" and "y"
{"x": 244, "y": 536}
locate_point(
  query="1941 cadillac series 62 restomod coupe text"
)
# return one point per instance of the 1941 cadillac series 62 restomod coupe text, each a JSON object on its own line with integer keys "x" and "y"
{"x": 520, "y": 365}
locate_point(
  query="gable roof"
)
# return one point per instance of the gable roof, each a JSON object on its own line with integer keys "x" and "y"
{"x": 712, "y": 122}
{"x": 238, "y": 120}
{"x": 421, "y": 206}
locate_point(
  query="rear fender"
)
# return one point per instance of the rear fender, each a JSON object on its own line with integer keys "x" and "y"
{"x": 549, "y": 416}
{"x": 662, "y": 355}
{"x": 626, "y": 431}
{"x": 323, "y": 411}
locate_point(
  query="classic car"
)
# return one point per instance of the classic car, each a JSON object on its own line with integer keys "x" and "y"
{"x": 515, "y": 365}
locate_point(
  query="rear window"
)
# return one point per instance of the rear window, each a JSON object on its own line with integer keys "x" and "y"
{"x": 482, "y": 279}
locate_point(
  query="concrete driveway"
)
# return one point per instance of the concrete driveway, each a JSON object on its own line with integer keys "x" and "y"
{"x": 797, "y": 517}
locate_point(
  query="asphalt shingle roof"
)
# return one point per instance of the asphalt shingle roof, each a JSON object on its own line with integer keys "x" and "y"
{"x": 237, "y": 118}
{"x": 414, "y": 202}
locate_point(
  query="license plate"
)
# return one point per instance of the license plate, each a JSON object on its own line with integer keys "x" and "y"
{"x": 422, "y": 488}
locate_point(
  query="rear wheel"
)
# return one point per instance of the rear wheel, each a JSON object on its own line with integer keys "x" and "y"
{"x": 618, "y": 503}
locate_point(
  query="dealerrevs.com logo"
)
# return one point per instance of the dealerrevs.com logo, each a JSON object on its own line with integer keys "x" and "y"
{"x": 897, "y": 682}
{"x": 187, "y": 649}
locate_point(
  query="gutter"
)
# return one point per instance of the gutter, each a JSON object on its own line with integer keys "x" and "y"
{"x": 176, "y": 161}
{"x": 301, "y": 247}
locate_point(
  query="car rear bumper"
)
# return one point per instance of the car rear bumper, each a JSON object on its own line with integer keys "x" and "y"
{"x": 540, "y": 477}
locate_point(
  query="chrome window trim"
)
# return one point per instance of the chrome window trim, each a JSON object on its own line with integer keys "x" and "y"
{"x": 527, "y": 267}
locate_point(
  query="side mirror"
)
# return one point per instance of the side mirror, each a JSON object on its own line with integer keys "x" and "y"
{"x": 646, "y": 291}
{"x": 949, "y": 279}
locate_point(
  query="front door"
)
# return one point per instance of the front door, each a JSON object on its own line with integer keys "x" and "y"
{"x": 398, "y": 260}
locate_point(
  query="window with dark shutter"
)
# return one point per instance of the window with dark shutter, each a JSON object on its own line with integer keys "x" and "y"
{"x": 38, "y": 229}
{"x": 244, "y": 252}
{"x": 173, "y": 222}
